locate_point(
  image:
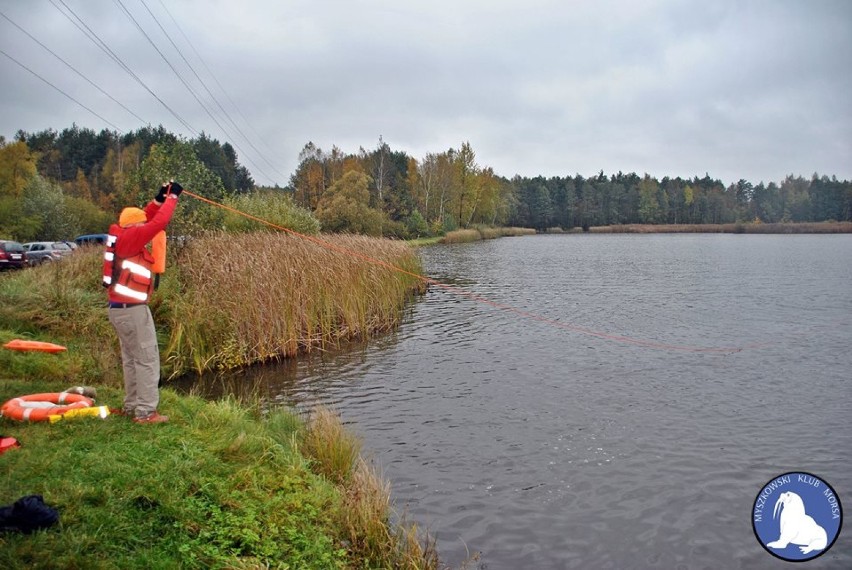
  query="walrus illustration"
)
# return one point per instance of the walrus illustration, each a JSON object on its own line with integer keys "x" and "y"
{"x": 796, "y": 526}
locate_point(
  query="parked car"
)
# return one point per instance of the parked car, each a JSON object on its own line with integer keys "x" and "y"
{"x": 12, "y": 255}
{"x": 39, "y": 252}
{"x": 91, "y": 239}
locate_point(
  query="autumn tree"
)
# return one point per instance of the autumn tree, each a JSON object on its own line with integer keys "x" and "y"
{"x": 415, "y": 186}
{"x": 466, "y": 189}
{"x": 308, "y": 181}
{"x": 345, "y": 207}
{"x": 336, "y": 164}
{"x": 487, "y": 206}
{"x": 380, "y": 170}
{"x": 45, "y": 212}
{"x": 688, "y": 201}
{"x": 17, "y": 170}
{"x": 436, "y": 178}
{"x": 17, "y": 167}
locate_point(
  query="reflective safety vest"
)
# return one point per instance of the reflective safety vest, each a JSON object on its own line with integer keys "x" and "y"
{"x": 130, "y": 280}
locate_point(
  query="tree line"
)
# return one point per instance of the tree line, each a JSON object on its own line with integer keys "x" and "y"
{"x": 55, "y": 185}
{"x": 76, "y": 180}
{"x": 98, "y": 165}
{"x": 447, "y": 190}
{"x": 630, "y": 199}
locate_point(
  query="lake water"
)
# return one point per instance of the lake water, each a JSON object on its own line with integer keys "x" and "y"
{"x": 619, "y": 404}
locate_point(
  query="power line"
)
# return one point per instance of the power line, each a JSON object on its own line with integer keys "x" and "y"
{"x": 203, "y": 84}
{"x": 182, "y": 80}
{"x": 219, "y": 84}
{"x": 71, "y": 67}
{"x": 94, "y": 38}
{"x": 177, "y": 49}
{"x": 61, "y": 91}
{"x": 81, "y": 25}
{"x": 180, "y": 77}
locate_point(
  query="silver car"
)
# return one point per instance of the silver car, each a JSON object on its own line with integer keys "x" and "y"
{"x": 39, "y": 252}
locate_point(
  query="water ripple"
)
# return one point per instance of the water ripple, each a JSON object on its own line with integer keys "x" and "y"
{"x": 545, "y": 448}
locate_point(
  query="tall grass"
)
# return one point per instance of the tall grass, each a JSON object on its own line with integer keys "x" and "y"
{"x": 63, "y": 302}
{"x": 251, "y": 297}
{"x": 57, "y": 295}
{"x": 225, "y": 300}
{"x": 736, "y": 228}
{"x": 366, "y": 513}
{"x": 484, "y": 232}
{"x": 462, "y": 236}
{"x": 515, "y": 232}
{"x": 333, "y": 449}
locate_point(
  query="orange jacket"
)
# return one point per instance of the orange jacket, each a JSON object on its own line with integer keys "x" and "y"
{"x": 128, "y": 265}
{"x": 129, "y": 279}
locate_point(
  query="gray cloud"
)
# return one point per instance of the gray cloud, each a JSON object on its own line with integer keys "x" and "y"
{"x": 753, "y": 90}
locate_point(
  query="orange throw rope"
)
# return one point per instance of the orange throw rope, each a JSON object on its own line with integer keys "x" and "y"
{"x": 478, "y": 298}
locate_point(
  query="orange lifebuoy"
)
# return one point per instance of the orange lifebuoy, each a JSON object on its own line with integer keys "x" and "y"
{"x": 34, "y": 345}
{"x": 37, "y": 408}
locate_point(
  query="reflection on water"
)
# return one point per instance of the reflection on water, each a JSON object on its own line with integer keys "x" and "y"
{"x": 543, "y": 447}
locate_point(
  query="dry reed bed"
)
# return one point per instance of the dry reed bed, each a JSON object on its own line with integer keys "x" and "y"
{"x": 738, "y": 228}
{"x": 480, "y": 233}
{"x": 247, "y": 298}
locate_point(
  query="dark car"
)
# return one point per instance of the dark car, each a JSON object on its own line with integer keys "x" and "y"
{"x": 44, "y": 251}
{"x": 12, "y": 255}
{"x": 91, "y": 239}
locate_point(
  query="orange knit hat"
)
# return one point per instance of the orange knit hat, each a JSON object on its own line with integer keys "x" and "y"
{"x": 131, "y": 216}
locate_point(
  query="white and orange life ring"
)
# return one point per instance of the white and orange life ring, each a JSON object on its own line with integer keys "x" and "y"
{"x": 39, "y": 407}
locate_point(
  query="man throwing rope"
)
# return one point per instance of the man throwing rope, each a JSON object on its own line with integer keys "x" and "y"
{"x": 129, "y": 276}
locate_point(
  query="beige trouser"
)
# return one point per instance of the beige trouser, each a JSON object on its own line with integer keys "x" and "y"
{"x": 140, "y": 358}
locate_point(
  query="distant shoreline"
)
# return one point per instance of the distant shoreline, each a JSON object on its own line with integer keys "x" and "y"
{"x": 736, "y": 228}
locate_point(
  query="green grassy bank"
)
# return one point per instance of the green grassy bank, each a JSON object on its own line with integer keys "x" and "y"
{"x": 219, "y": 486}
{"x": 222, "y": 485}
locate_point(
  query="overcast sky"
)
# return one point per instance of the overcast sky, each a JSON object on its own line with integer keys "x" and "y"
{"x": 745, "y": 89}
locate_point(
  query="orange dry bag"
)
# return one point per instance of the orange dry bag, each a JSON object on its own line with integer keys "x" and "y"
{"x": 158, "y": 250}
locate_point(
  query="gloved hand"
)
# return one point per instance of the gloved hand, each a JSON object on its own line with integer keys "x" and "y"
{"x": 175, "y": 188}
{"x": 161, "y": 195}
